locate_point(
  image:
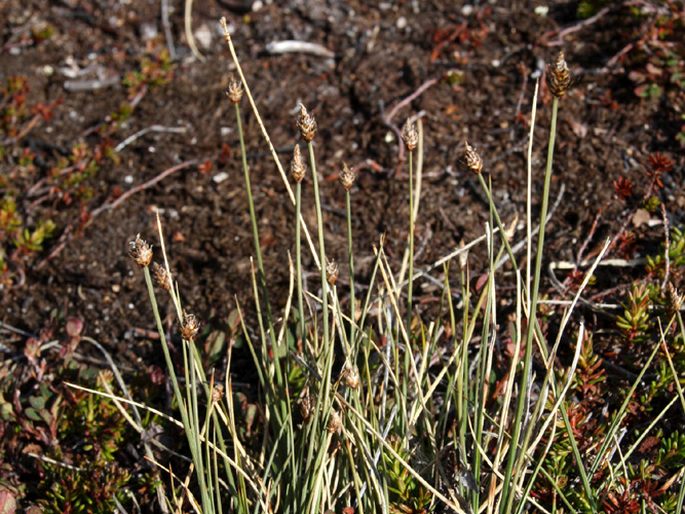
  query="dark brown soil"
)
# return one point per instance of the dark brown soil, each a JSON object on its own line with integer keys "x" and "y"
{"x": 383, "y": 53}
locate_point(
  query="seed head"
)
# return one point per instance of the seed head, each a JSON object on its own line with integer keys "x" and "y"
{"x": 161, "y": 276}
{"x": 297, "y": 167}
{"x": 217, "y": 393}
{"x": 307, "y": 124}
{"x": 332, "y": 272}
{"x": 347, "y": 177}
{"x": 674, "y": 300}
{"x": 558, "y": 76}
{"x": 235, "y": 92}
{"x": 334, "y": 422}
{"x": 190, "y": 326}
{"x": 351, "y": 377}
{"x": 471, "y": 159}
{"x": 140, "y": 251}
{"x": 305, "y": 404}
{"x": 410, "y": 136}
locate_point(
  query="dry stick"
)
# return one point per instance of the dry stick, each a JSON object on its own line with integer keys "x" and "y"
{"x": 667, "y": 248}
{"x": 143, "y": 186}
{"x": 281, "y": 171}
{"x": 152, "y": 128}
{"x": 168, "y": 35}
{"x": 387, "y": 118}
{"x": 573, "y": 28}
{"x": 188, "y": 24}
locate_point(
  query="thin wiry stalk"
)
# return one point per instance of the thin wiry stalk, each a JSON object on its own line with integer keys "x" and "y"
{"x": 272, "y": 150}
{"x": 410, "y": 283}
{"x": 298, "y": 258}
{"x": 322, "y": 248}
{"x": 532, "y": 317}
{"x": 350, "y": 257}
{"x": 261, "y": 275}
{"x": 193, "y": 442}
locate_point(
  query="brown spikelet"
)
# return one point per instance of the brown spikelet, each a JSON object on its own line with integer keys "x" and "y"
{"x": 297, "y": 168}
{"x": 558, "y": 76}
{"x": 674, "y": 300}
{"x": 347, "y": 177}
{"x": 334, "y": 422}
{"x": 307, "y": 124}
{"x": 161, "y": 276}
{"x": 190, "y": 326}
{"x": 217, "y": 393}
{"x": 332, "y": 272}
{"x": 140, "y": 252}
{"x": 410, "y": 136}
{"x": 305, "y": 404}
{"x": 471, "y": 159}
{"x": 234, "y": 92}
{"x": 350, "y": 377}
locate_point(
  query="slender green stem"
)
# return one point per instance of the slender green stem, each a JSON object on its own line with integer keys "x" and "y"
{"x": 193, "y": 441}
{"x": 350, "y": 256}
{"x": 507, "y": 500}
{"x": 410, "y": 283}
{"x": 298, "y": 257}
{"x": 322, "y": 248}
{"x": 261, "y": 275}
{"x": 248, "y": 189}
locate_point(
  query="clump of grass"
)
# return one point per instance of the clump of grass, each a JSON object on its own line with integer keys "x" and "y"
{"x": 384, "y": 411}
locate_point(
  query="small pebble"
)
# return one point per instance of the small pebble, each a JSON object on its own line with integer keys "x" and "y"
{"x": 401, "y": 22}
{"x": 220, "y": 177}
{"x": 204, "y": 36}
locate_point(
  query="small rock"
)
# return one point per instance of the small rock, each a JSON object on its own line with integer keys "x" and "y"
{"x": 641, "y": 217}
{"x": 220, "y": 177}
{"x": 401, "y": 22}
{"x": 204, "y": 36}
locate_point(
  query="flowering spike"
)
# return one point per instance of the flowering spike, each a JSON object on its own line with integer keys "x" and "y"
{"x": 472, "y": 160}
{"x": 140, "y": 252}
{"x": 347, "y": 177}
{"x": 410, "y": 136}
{"x": 558, "y": 76}
{"x": 307, "y": 124}
{"x": 297, "y": 167}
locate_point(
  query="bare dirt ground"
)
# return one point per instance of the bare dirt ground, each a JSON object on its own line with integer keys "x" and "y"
{"x": 469, "y": 71}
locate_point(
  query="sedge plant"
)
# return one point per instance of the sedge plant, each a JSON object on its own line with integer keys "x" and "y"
{"x": 374, "y": 409}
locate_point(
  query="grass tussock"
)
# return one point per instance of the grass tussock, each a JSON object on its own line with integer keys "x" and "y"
{"x": 367, "y": 405}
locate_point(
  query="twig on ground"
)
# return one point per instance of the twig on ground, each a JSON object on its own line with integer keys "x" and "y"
{"x": 168, "y": 35}
{"x": 143, "y": 186}
{"x": 188, "y": 23}
{"x": 589, "y": 237}
{"x": 79, "y": 86}
{"x": 152, "y": 128}
{"x": 290, "y": 46}
{"x": 388, "y": 117}
{"x": 561, "y": 34}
